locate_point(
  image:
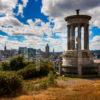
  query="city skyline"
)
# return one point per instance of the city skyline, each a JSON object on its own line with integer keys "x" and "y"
{"x": 34, "y": 23}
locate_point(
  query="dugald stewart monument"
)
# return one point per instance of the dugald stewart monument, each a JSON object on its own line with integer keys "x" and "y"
{"x": 78, "y": 61}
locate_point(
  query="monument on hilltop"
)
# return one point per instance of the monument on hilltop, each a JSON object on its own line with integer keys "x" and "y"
{"x": 77, "y": 60}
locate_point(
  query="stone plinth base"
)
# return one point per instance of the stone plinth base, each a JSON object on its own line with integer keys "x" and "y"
{"x": 78, "y": 62}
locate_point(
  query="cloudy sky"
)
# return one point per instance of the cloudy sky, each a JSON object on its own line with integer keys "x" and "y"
{"x": 34, "y": 23}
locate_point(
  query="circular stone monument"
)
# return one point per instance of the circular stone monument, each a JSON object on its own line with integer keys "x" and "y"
{"x": 77, "y": 60}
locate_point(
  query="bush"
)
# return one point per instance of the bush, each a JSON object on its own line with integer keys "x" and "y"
{"x": 14, "y": 64}
{"x": 33, "y": 71}
{"x": 45, "y": 67}
{"x": 17, "y": 63}
{"x": 43, "y": 85}
{"x": 51, "y": 79}
{"x": 10, "y": 83}
{"x": 28, "y": 72}
{"x": 5, "y": 66}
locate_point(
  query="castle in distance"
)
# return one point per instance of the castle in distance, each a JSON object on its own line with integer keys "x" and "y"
{"x": 78, "y": 61}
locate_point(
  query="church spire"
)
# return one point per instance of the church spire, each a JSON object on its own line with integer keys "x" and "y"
{"x": 47, "y": 48}
{"x": 47, "y": 52}
{"x": 53, "y": 50}
{"x": 5, "y": 48}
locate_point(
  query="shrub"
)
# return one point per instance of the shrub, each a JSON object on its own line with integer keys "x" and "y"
{"x": 14, "y": 64}
{"x": 10, "y": 83}
{"x": 5, "y": 66}
{"x": 33, "y": 71}
{"x": 51, "y": 79}
{"x": 43, "y": 85}
{"x": 17, "y": 63}
{"x": 28, "y": 72}
{"x": 45, "y": 67}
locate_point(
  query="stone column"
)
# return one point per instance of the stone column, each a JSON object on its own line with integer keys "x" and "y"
{"x": 79, "y": 37}
{"x": 68, "y": 37}
{"x": 80, "y": 70}
{"x": 86, "y": 36}
{"x": 79, "y": 52}
{"x": 72, "y": 37}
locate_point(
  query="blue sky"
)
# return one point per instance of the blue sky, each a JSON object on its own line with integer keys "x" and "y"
{"x": 34, "y": 23}
{"x": 31, "y": 11}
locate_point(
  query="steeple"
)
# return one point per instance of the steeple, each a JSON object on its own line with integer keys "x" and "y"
{"x": 47, "y": 48}
{"x": 53, "y": 50}
{"x": 5, "y": 48}
{"x": 47, "y": 52}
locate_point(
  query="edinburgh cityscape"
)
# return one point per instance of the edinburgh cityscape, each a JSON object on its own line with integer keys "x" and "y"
{"x": 49, "y": 50}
